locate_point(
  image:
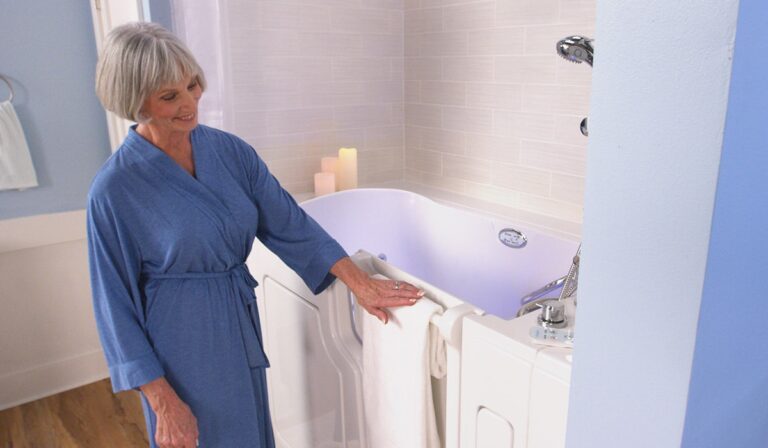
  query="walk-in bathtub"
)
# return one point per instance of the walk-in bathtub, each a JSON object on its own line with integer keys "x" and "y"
{"x": 457, "y": 256}
{"x": 458, "y": 251}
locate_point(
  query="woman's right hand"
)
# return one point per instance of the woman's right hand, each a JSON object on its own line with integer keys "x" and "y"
{"x": 176, "y": 425}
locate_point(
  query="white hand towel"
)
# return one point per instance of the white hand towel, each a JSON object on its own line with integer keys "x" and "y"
{"x": 16, "y": 169}
{"x": 397, "y": 361}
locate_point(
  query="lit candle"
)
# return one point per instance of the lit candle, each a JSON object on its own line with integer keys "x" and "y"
{"x": 347, "y": 169}
{"x": 328, "y": 164}
{"x": 325, "y": 183}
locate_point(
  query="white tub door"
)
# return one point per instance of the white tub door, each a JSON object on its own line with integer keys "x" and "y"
{"x": 315, "y": 383}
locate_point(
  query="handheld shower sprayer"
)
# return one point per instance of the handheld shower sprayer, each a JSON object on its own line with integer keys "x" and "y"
{"x": 576, "y": 49}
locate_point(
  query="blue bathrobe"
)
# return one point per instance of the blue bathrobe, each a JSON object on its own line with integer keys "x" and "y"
{"x": 172, "y": 295}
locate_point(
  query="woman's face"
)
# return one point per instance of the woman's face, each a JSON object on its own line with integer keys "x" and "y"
{"x": 173, "y": 108}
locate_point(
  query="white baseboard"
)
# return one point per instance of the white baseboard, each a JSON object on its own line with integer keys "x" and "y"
{"x": 51, "y": 378}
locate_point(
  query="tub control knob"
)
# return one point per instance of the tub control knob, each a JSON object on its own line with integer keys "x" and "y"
{"x": 552, "y": 314}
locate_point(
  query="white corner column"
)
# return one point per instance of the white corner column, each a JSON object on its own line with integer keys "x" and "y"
{"x": 659, "y": 99}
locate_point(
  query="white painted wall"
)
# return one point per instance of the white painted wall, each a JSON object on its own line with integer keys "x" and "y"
{"x": 659, "y": 95}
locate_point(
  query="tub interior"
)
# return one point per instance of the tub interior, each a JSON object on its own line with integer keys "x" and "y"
{"x": 455, "y": 250}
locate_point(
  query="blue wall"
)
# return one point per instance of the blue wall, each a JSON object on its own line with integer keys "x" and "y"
{"x": 48, "y": 50}
{"x": 728, "y": 396}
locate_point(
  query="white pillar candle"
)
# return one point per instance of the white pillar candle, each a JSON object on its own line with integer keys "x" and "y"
{"x": 347, "y": 169}
{"x": 325, "y": 183}
{"x": 328, "y": 164}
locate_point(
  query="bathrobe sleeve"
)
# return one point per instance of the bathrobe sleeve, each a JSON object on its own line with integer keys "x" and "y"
{"x": 115, "y": 266}
{"x": 287, "y": 230}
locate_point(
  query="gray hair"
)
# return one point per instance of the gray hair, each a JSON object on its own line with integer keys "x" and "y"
{"x": 137, "y": 60}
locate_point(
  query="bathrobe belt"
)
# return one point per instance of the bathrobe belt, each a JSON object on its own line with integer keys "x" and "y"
{"x": 242, "y": 284}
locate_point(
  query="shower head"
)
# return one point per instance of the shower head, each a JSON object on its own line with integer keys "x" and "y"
{"x": 576, "y": 49}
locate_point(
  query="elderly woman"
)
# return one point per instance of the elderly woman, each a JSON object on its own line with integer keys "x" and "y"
{"x": 171, "y": 219}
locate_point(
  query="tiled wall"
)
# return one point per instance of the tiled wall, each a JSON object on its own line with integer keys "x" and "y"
{"x": 491, "y": 112}
{"x": 464, "y": 101}
{"x": 308, "y": 77}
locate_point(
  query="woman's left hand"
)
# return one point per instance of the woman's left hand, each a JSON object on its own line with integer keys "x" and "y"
{"x": 375, "y": 295}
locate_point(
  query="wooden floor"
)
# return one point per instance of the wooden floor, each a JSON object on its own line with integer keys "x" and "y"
{"x": 89, "y": 416}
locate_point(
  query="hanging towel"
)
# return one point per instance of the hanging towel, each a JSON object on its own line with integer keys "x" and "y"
{"x": 16, "y": 169}
{"x": 398, "y": 360}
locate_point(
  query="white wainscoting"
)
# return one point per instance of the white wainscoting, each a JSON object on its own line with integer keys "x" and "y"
{"x": 48, "y": 338}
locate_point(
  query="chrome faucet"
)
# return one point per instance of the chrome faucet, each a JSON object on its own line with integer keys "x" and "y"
{"x": 551, "y": 306}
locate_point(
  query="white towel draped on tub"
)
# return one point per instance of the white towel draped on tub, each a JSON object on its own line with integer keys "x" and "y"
{"x": 398, "y": 360}
{"x": 16, "y": 169}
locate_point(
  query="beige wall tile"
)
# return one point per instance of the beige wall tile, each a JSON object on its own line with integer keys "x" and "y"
{"x": 559, "y": 209}
{"x": 423, "y": 21}
{"x": 384, "y": 137}
{"x": 443, "y": 44}
{"x": 382, "y": 45}
{"x": 577, "y": 11}
{"x": 412, "y": 136}
{"x": 524, "y": 125}
{"x": 357, "y": 69}
{"x": 553, "y": 157}
{"x": 468, "y": 119}
{"x": 465, "y": 168}
{"x": 299, "y": 120}
{"x": 567, "y": 188}
{"x": 463, "y": 99}
{"x": 492, "y": 193}
{"x": 357, "y": 20}
{"x": 494, "y": 95}
{"x": 496, "y": 41}
{"x": 412, "y": 4}
{"x": 540, "y": 99}
{"x": 470, "y": 16}
{"x": 527, "y": 12}
{"x": 445, "y": 93}
{"x": 574, "y": 74}
{"x": 521, "y": 179}
{"x": 568, "y": 130}
{"x": 541, "y": 39}
{"x": 379, "y": 178}
{"x": 433, "y": 3}
{"x": 423, "y": 115}
{"x": 471, "y": 69}
{"x": 573, "y": 100}
{"x": 493, "y": 148}
{"x": 424, "y": 161}
{"x": 294, "y": 170}
{"x": 442, "y": 140}
{"x": 328, "y": 142}
{"x": 362, "y": 116}
{"x": 423, "y": 69}
{"x": 538, "y": 69}
{"x": 434, "y": 181}
{"x": 412, "y": 91}
{"x": 386, "y": 159}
